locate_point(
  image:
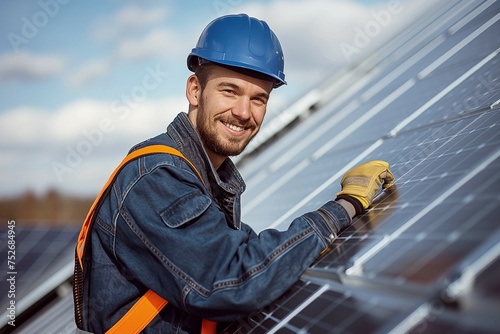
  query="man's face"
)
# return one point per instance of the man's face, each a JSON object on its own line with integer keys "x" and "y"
{"x": 229, "y": 111}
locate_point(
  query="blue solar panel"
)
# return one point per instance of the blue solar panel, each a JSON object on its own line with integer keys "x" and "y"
{"x": 43, "y": 261}
{"x": 433, "y": 114}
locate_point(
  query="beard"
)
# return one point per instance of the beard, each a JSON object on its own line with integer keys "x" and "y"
{"x": 213, "y": 140}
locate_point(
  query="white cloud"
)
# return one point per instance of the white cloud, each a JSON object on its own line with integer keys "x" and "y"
{"x": 85, "y": 139}
{"x": 24, "y": 66}
{"x": 157, "y": 42}
{"x": 136, "y": 17}
{"x": 89, "y": 73}
{"x": 127, "y": 20}
{"x": 133, "y": 33}
{"x": 22, "y": 126}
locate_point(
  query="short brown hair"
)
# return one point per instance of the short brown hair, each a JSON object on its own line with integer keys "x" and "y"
{"x": 203, "y": 71}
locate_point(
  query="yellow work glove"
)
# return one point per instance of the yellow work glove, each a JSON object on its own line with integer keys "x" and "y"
{"x": 362, "y": 183}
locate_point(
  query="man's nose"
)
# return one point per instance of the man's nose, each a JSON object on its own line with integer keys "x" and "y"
{"x": 242, "y": 109}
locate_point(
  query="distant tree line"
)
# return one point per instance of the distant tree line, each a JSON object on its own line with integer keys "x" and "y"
{"x": 51, "y": 208}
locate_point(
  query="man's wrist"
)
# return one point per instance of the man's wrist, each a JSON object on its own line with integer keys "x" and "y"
{"x": 350, "y": 206}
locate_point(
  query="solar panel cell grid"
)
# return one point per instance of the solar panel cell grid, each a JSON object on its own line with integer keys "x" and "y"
{"x": 445, "y": 156}
{"x": 43, "y": 252}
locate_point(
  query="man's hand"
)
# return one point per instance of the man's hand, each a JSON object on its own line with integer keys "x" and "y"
{"x": 362, "y": 183}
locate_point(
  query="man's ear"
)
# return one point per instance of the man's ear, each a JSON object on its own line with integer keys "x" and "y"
{"x": 193, "y": 90}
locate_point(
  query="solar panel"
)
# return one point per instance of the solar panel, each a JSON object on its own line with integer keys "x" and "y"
{"x": 426, "y": 257}
{"x": 43, "y": 261}
{"x": 417, "y": 261}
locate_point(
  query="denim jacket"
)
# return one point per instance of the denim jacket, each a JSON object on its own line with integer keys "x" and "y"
{"x": 161, "y": 228}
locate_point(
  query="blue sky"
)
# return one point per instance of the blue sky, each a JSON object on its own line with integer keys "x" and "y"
{"x": 83, "y": 81}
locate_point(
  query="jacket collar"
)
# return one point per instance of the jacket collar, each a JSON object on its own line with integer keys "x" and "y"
{"x": 186, "y": 138}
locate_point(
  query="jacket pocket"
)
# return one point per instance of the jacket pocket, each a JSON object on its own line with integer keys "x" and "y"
{"x": 185, "y": 209}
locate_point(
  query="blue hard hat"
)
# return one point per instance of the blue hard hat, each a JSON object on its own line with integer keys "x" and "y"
{"x": 243, "y": 42}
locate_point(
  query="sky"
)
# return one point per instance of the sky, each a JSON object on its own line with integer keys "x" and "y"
{"x": 83, "y": 81}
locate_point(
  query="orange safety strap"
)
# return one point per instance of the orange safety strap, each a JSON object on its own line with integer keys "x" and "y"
{"x": 150, "y": 304}
{"x": 144, "y": 310}
{"x": 140, "y": 315}
{"x": 131, "y": 156}
{"x": 208, "y": 327}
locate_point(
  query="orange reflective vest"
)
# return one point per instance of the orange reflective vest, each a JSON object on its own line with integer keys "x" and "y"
{"x": 150, "y": 304}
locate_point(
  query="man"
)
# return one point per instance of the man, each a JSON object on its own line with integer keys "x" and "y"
{"x": 169, "y": 228}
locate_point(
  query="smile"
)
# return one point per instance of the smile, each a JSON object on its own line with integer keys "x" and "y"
{"x": 234, "y": 127}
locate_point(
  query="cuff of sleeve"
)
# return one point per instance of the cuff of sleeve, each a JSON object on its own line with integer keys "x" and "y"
{"x": 355, "y": 203}
{"x": 330, "y": 219}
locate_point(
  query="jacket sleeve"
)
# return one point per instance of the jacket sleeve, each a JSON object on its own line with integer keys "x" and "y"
{"x": 173, "y": 239}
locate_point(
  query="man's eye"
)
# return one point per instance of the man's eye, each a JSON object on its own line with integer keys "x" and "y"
{"x": 260, "y": 101}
